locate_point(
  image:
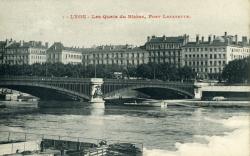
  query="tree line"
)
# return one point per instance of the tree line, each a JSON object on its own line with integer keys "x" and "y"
{"x": 162, "y": 71}
{"x": 237, "y": 71}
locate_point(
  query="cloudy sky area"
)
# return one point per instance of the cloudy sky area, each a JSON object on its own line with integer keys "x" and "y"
{"x": 43, "y": 20}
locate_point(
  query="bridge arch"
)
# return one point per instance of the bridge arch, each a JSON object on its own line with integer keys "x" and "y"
{"x": 135, "y": 87}
{"x": 39, "y": 88}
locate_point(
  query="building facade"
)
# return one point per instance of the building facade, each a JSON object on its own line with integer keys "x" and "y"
{"x": 123, "y": 55}
{"x": 166, "y": 49}
{"x": 18, "y": 53}
{"x": 2, "y": 47}
{"x": 208, "y": 58}
{"x": 58, "y": 53}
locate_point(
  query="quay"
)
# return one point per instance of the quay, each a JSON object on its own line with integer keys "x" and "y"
{"x": 20, "y": 143}
{"x": 210, "y": 103}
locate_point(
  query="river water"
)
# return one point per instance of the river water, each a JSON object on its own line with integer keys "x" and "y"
{"x": 171, "y": 132}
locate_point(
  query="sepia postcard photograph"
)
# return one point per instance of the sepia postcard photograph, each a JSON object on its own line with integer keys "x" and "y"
{"x": 124, "y": 77}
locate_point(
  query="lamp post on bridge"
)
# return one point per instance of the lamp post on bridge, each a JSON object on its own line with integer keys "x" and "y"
{"x": 95, "y": 70}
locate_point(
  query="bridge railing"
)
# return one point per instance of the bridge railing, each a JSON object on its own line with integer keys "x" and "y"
{"x": 38, "y": 78}
{"x": 145, "y": 81}
{"x": 137, "y": 81}
{"x": 87, "y": 80}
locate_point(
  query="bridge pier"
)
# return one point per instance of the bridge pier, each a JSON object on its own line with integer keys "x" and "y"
{"x": 197, "y": 90}
{"x": 96, "y": 95}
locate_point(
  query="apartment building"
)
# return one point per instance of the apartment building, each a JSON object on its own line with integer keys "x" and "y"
{"x": 208, "y": 58}
{"x": 66, "y": 55}
{"x": 123, "y": 55}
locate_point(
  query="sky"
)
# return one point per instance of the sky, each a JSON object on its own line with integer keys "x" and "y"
{"x": 50, "y": 20}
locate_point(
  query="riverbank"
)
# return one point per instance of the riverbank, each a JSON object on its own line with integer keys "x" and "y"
{"x": 186, "y": 102}
{"x": 19, "y": 103}
{"x": 200, "y": 103}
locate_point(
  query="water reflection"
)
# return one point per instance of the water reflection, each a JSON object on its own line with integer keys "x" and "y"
{"x": 97, "y": 111}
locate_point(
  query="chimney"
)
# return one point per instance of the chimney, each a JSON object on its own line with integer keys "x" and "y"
{"x": 40, "y": 43}
{"x": 186, "y": 37}
{"x": 164, "y": 37}
{"x": 31, "y": 43}
{"x": 46, "y": 45}
{"x": 236, "y": 39}
{"x": 210, "y": 39}
{"x": 7, "y": 41}
{"x": 214, "y": 37}
{"x": 197, "y": 39}
{"x": 244, "y": 40}
{"x": 153, "y": 36}
{"x": 21, "y": 43}
{"x": 202, "y": 39}
{"x": 148, "y": 38}
{"x": 225, "y": 34}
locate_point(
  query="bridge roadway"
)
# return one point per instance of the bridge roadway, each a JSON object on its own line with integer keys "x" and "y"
{"x": 80, "y": 88}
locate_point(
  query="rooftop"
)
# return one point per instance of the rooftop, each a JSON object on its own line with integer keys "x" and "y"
{"x": 22, "y": 44}
{"x": 112, "y": 48}
{"x": 58, "y": 46}
{"x": 224, "y": 40}
{"x": 174, "y": 39}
